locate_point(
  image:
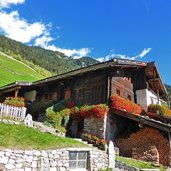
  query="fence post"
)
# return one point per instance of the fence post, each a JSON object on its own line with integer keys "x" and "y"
{"x": 23, "y": 113}
{"x": 13, "y": 112}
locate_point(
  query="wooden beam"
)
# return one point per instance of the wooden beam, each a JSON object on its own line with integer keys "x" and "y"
{"x": 16, "y": 93}
{"x": 144, "y": 120}
{"x": 169, "y": 135}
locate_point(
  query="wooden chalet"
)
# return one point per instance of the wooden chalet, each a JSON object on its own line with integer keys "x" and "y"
{"x": 94, "y": 84}
{"x": 138, "y": 81}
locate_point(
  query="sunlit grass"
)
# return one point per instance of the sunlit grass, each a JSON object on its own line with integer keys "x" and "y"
{"x": 22, "y": 137}
{"x": 138, "y": 163}
{"x": 12, "y": 70}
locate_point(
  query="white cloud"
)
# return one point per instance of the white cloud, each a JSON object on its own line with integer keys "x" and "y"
{"x": 7, "y": 3}
{"x": 103, "y": 59}
{"x": 44, "y": 40}
{"x": 123, "y": 56}
{"x": 19, "y": 29}
{"x": 74, "y": 53}
{"x": 144, "y": 52}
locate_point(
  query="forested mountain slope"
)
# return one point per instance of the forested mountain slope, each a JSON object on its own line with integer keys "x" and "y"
{"x": 55, "y": 62}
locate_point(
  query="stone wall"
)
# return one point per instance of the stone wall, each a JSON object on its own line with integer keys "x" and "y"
{"x": 95, "y": 126}
{"x": 53, "y": 160}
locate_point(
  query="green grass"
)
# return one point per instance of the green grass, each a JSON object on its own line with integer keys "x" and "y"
{"x": 138, "y": 163}
{"x": 12, "y": 70}
{"x": 22, "y": 137}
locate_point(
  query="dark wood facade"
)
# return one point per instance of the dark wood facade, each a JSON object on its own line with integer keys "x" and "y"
{"x": 94, "y": 84}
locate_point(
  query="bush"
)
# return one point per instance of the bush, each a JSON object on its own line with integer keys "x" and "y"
{"x": 15, "y": 101}
{"x": 90, "y": 138}
{"x": 120, "y": 103}
{"x": 58, "y": 120}
{"x": 107, "y": 169}
{"x": 158, "y": 109}
{"x": 94, "y": 111}
{"x": 54, "y": 118}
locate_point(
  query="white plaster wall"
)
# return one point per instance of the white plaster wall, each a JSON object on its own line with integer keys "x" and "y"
{"x": 31, "y": 95}
{"x": 146, "y": 97}
{"x": 142, "y": 98}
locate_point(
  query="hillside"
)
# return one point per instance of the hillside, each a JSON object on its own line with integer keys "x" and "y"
{"x": 13, "y": 70}
{"x": 85, "y": 61}
{"x": 55, "y": 62}
{"x": 22, "y": 137}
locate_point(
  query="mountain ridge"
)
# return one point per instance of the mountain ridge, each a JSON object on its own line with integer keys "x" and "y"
{"x": 52, "y": 61}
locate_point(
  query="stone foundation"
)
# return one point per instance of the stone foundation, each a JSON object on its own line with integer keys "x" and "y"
{"x": 53, "y": 160}
{"x": 95, "y": 126}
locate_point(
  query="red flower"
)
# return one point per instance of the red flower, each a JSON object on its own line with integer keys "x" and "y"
{"x": 120, "y": 103}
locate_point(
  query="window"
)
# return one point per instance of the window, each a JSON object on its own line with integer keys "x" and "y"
{"x": 129, "y": 97}
{"x": 67, "y": 93}
{"x": 98, "y": 94}
{"x": 77, "y": 160}
{"x": 118, "y": 92}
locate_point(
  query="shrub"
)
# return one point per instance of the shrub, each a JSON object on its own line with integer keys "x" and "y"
{"x": 120, "y": 103}
{"x": 15, "y": 101}
{"x": 54, "y": 118}
{"x": 158, "y": 109}
{"x": 90, "y": 138}
{"x": 58, "y": 115}
{"x": 94, "y": 111}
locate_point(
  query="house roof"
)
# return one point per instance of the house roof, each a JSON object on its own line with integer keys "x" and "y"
{"x": 154, "y": 79}
{"x": 115, "y": 62}
{"x": 144, "y": 120}
{"x": 14, "y": 86}
{"x": 151, "y": 73}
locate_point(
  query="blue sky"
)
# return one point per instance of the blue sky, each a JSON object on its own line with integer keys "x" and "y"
{"x": 134, "y": 29}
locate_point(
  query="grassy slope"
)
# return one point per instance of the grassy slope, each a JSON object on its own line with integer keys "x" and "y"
{"x": 139, "y": 164}
{"x": 12, "y": 70}
{"x": 22, "y": 137}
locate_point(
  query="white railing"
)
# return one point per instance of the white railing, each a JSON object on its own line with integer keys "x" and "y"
{"x": 16, "y": 113}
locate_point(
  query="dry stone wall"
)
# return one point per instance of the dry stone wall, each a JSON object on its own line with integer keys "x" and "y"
{"x": 95, "y": 126}
{"x": 49, "y": 160}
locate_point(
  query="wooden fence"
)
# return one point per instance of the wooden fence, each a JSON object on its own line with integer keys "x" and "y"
{"x": 16, "y": 113}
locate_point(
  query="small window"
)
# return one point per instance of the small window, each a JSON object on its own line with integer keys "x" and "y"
{"x": 77, "y": 160}
{"x": 67, "y": 93}
{"x": 129, "y": 97}
{"x": 50, "y": 97}
{"x": 118, "y": 92}
{"x": 46, "y": 96}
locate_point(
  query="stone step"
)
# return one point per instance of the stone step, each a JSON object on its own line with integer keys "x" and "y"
{"x": 85, "y": 142}
{"x": 78, "y": 139}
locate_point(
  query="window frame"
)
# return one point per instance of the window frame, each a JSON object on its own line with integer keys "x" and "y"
{"x": 77, "y": 160}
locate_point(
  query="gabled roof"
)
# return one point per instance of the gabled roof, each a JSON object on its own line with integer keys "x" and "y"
{"x": 115, "y": 62}
{"x": 154, "y": 79}
{"x": 13, "y": 86}
{"x": 144, "y": 120}
{"x": 152, "y": 73}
